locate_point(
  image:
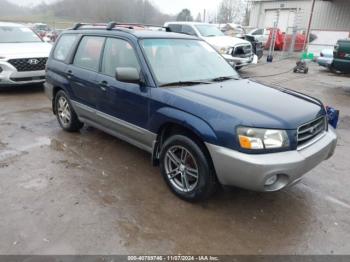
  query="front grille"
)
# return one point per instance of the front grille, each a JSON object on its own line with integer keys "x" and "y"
{"x": 242, "y": 51}
{"x": 310, "y": 130}
{"x": 258, "y": 45}
{"x": 28, "y": 64}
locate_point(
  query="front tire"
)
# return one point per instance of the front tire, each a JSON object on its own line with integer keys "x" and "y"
{"x": 186, "y": 169}
{"x": 66, "y": 116}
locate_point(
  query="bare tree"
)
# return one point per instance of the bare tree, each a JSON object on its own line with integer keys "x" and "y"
{"x": 232, "y": 11}
{"x": 9, "y": 9}
{"x": 199, "y": 18}
{"x": 131, "y": 11}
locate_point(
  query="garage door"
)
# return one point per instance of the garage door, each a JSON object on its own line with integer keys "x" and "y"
{"x": 286, "y": 19}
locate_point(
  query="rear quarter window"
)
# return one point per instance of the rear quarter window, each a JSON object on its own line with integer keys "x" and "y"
{"x": 64, "y": 47}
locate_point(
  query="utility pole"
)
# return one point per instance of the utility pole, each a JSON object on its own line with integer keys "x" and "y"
{"x": 274, "y": 36}
{"x": 309, "y": 26}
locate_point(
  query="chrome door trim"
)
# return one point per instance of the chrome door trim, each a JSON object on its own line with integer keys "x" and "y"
{"x": 135, "y": 135}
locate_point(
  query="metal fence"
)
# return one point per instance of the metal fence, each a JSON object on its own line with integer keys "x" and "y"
{"x": 290, "y": 41}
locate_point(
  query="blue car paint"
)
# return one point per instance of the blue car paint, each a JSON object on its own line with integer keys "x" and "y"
{"x": 227, "y": 105}
{"x": 212, "y": 111}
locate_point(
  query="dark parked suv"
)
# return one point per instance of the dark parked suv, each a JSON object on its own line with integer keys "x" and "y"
{"x": 176, "y": 97}
{"x": 341, "y": 54}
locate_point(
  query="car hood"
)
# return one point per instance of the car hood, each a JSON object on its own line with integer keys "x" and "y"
{"x": 24, "y": 50}
{"x": 248, "y": 103}
{"x": 225, "y": 41}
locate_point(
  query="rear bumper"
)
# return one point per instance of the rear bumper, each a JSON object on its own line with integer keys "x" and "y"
{"x": 11, "y": 77}
{"x": 252, "y": 171}
{"x": 48, "y": 90}
{"x": 342, "y": 65}
{"x": 324, "y": 61}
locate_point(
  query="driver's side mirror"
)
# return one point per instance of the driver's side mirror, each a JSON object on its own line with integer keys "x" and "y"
{"x": 128, "y": 75}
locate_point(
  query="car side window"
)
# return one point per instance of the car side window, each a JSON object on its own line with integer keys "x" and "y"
{"x": 64, "y": 46}
{"x": 258, "y": 32}
{"x": 188, "y": 30}
{"x": 118, "y": 53}
{"x": 89, "y": 53}
{"x": 175, "y": 28}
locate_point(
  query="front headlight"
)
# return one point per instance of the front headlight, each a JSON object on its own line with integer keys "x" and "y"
{"x": 258, "y": 138}
{"x": 225, "y": 50}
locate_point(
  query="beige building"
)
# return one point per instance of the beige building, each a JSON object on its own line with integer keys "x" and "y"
{"x": 331, "y": 18}
{"x": 331, "y": 15}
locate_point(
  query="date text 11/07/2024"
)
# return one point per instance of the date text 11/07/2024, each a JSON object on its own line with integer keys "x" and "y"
{"x": 173, "y": 258}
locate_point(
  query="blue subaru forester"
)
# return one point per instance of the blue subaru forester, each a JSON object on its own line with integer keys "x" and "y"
{"x": 176, "y": 97}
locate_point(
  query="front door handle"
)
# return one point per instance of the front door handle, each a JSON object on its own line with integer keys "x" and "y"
{"x": 104, "y": 85}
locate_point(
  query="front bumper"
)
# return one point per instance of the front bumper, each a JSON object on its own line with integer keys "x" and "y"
{"x": 252, "y": 171}
{"x": 11, "y": 77}
{"x": 239, "y": 62}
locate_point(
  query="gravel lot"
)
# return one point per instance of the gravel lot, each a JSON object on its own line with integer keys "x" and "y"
{"x": 90, "y": 193}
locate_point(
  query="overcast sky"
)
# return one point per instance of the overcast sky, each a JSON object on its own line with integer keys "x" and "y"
{"x": 196, "y": 6}
{"x": 166, "y": 6}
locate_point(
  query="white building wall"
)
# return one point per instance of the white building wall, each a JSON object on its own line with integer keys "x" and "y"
{"x": 332, "y": 15}
{"x": 328, "y": 15}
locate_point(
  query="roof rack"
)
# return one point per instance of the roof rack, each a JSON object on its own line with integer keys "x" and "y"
{"x": 79, "y": 25}
{"x": 111, "y": 25}
{"x": 76, "y": 26}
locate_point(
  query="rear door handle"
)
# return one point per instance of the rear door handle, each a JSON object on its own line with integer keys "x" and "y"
{"x": 69, "y": 73}
{"x": 103, "y": 85}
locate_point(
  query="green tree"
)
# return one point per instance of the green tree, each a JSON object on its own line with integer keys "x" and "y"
{"x": 184, "y": 15}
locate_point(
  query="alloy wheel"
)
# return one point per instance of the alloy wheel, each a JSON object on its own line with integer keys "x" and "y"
{"x": 63, "y": 111}
{"x": 181, "y": 169}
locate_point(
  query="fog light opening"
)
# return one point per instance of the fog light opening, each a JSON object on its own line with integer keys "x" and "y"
{"x": 271, "y": 180}
{"x": 276, "y": 182}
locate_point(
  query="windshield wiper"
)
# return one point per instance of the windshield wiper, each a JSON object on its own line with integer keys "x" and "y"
{"x": 185, "y": 83}
{"x": 224, "y": 78}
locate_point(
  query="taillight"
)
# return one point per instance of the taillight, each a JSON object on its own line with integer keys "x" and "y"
{"x": 341, "y": 54}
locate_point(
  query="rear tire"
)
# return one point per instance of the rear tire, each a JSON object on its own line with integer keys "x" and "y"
{"x": 66, "y": 116}
{"x": 186, "y": 169}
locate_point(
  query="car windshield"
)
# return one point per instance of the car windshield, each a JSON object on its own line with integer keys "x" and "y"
{"x": 209, "y": 30}
{"x": 11, "y": 34}
{"x": 183, "y": 60}
{"x": 41, "y": 27}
